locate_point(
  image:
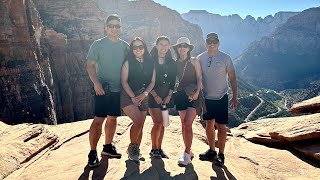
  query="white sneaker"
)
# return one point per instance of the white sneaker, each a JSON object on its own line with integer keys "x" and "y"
{"x": 185, "y": 159}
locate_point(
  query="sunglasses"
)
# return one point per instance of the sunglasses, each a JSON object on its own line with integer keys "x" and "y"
{"x": 111, "y": 26}
{"x": 209, "y": 41}
{"x": 209, "y": 61}
{"x": 137, "y": 47}
{"x": 182, "y": 46}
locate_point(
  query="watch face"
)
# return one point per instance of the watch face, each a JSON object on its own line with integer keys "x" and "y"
{"x": 165, "y": 75}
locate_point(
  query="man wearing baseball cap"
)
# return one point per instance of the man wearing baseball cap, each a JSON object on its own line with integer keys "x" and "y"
{"x": 216, "y": 68}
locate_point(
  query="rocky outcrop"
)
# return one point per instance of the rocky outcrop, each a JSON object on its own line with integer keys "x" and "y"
{"x": 244, "y": 159}
{"x": 308, "y": 106}
{"x": 234, "y": 32}
{"x": 275, "y": 62}
{"x": 24, "y": 94}
{"x": 43, "y": 48}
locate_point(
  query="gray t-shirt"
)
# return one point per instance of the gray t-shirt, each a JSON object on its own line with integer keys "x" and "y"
{"x": 215, "y": 73}
{"x": 109, "y": 57}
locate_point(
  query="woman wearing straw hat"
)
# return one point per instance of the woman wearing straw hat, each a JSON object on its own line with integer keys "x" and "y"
{"x": 188, "y": 97}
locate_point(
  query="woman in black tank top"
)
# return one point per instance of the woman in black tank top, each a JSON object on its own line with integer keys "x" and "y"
{"x": 137, "y": 79}
{"x": 187, "y": 99}
{"x": 161, "y": 94}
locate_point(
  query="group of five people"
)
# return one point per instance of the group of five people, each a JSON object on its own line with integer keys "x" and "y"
{"x": 129, "y": 78}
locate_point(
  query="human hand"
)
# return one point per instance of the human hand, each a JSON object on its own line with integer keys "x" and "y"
{"x": 233, "y": 103}
{"x": 194, "y": 97}
{"x": 167, "y": 99}
{"x": 136, "y": 101}
{"x": 98, "y": 89}
{"x": 158, "y": 100}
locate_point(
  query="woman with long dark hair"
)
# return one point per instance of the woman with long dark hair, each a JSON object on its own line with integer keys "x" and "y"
{"x": 137, "y": 79}
{"x": 189, "y": 96}
{"x": 161, "y": 95}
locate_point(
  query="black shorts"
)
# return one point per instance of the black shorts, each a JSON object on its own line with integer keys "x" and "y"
{"x": 108, "y": 104}
{"x": 181, "y": 101}
{"x": 217, "y": 109}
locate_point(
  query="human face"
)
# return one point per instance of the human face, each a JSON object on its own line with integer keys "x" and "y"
{"x": 212, "y": 44}
{"x": 113, "y": 28}
{"x": 183, "y": 49}
{"x": 163, "y": 47}
{"x": 138, "y": 49}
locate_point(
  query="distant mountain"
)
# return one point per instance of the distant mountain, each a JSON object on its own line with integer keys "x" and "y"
{"x": 289, "y": 58}
{"x": 234, "y": 32}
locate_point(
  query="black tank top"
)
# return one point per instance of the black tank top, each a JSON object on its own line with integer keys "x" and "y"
{"x": 140, "y": 74}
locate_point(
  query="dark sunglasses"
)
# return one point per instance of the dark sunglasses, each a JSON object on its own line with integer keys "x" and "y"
{"x": 111, "y": 26}
{"x": 137, "y": 47}
{"x": 209, "y": 61}
{"x": 182, "y": 46}
{"x": 210, "y": 41}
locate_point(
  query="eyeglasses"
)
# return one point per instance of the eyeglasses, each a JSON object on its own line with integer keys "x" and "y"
{"x": 209, "y": 61}
{"x": 210, "y": 41}
{"x": 182, "y": 46}
{"x": 111, "y": 26}
{"x": 137, "y": 47}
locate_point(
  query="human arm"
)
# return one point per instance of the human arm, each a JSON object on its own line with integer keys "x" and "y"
{"x": 197, "y": 67}
{"x": 149, "y": 88}
{"x": 91, "y": 69}
{"x": 234, "y": 88}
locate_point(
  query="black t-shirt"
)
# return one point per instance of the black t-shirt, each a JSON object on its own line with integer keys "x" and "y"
{"x": 165, "y": 73}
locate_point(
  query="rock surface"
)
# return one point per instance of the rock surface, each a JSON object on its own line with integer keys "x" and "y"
{"x": 308, "y": 106}
{"x": 67, "y": 157}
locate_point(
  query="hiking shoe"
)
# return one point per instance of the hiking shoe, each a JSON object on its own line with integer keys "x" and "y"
{"x": 155, "y": 153}
{"x": 110, "y": 150}
{"x": 220, "y": 159}
{"x": 163, "y": 154}
{"x": 185, "y": 159}
{"x": 93, "y": 160}
{"x": 209, "y": 155}
{"x": 133, "y": 152}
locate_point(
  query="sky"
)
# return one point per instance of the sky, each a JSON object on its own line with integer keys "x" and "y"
{"x": 255, "y": 8}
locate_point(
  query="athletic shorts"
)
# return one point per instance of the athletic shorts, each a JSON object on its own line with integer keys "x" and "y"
{"x": 108, "y": 104}
{"x": 217, "y": 110}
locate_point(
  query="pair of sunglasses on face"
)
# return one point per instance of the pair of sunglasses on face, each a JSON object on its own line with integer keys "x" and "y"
{"x": 212, "y": 41}
{"x": 182, "y": 46}
{"x": 116, "y": 26}
{"x": 138, "y": 47}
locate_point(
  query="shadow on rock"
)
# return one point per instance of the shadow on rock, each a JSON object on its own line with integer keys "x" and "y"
{"x": 99, "y": 172}
{"x": 222, "y": 173}
{"x": 156, "y": 171}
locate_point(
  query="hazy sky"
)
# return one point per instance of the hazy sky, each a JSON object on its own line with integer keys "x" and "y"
{"x": 255, "y": 8}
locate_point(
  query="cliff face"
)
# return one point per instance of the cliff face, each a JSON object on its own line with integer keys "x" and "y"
{"x": 25, "y": 96}
{"x": 286, "y": 59}
{"x": 234, "y": 32}
{"x": 44, "y": 45}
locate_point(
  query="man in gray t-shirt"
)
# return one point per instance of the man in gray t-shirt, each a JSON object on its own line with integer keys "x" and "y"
{"x": 217, "y": 68}
{"x": 104, "y": 61}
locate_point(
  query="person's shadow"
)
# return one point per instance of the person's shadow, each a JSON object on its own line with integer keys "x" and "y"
{"x": 222, "y": 173}
{"x": 156, "y": 171}
{"x": 99, "y": 172}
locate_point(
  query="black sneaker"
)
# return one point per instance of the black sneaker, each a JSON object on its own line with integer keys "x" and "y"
{"x": 111, "y": 151}
{"x": 93, "y": 160}
{"x": 163, "y": 154}
{"x": 220, "y": 159}
{"x": 155, "y": 153}
{"x": 209, "y": 155}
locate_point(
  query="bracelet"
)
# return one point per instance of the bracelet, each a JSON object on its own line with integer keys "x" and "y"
{"x": 132, "y": 97}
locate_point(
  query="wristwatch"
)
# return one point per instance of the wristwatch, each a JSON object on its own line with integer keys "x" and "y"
{"x": 145, "y": 93}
